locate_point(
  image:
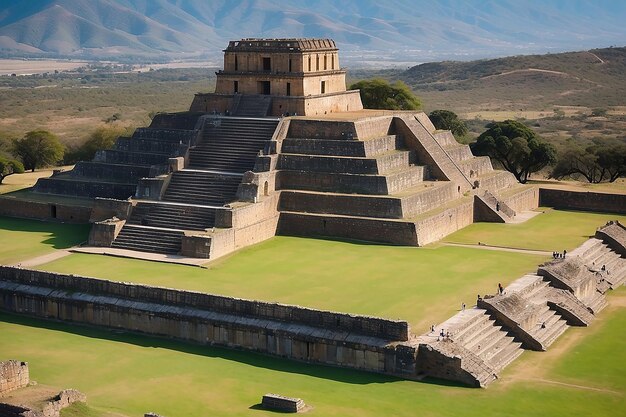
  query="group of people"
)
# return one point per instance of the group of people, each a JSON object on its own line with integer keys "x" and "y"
{"x": 443, "y": 335}
{"x": 559, "y": 255}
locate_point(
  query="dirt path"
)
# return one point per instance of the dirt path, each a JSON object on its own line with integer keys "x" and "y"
{"x": 500, "y": 248}
{"x": 597, "y": 57}
{"x": 40, "y": 260}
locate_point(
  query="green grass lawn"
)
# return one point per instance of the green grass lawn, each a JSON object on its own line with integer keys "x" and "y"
{"x": 420, "y": 285}
{"x": 132, "y": 374}
{"x": 22, "y": 239}
{"x": 550, "y": 231}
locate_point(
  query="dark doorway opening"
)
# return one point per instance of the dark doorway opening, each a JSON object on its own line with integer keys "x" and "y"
{"x": 288, "y": 89}
{"x": 264, "y": 87}
{"x": 53, "y": 211}
{"x": 267, "y": 64}
{"x": 236, "y": 86}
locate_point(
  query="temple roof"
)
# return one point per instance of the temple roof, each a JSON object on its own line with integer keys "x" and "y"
{"x": 293, "y": 44}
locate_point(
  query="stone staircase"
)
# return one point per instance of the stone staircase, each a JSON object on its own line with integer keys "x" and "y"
{"x": 202, "y": 188}
{"x": 231, "y": 144}
{"x": 251, "y": 105}
{"x": 149, "y": 239}
{"x": 164, "y": 215}
{"x": 193, "y": 196}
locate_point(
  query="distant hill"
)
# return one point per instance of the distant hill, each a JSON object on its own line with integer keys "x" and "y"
{"x": 594, "y": 78}
{"x": 368, "y": 31}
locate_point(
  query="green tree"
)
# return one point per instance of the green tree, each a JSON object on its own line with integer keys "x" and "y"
{"x": 379, "y": 94}
{"x": 576, "y": 162}
{"x": 447, "y": 120}
{"x": 38, "y": 148}
{"x": 9, "y": 166}
{"x": 597, "y": 163}
{"x": 101, "y": 138}
{"x": 516, "y": 147}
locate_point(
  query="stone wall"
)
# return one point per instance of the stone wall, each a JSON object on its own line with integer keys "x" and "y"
{"x": 579, "y": 200}
{"x": 525, "y": 200}
{"x": 371, "y": 326}
{"x": 298, "y": 333}
{"x": 431, "y": 228}
{"x": 358, "y": 228}
{"x": 13, "y": 375}
{"x": 45, "y": 211}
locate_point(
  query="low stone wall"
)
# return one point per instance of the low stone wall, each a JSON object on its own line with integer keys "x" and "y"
{"x": 580, "y": 200}
{"x": 371, "y": 326}
{"x": 438, "y": 225}
{"x": 367, "y": 229}
{"x": 527, "y": 199}
{"x": 360, "y": 342}
{"x": 106, "y": 208}
{"x": 65, "y": 398}
{"x": 44, "y": 211}
{"x": 13, "y": 375}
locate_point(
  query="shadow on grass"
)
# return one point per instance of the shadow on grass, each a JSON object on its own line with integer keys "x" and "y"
{"x": 345, "y": 240}
{"x": 255, "y": 359}
{"x": 62, "y": 235}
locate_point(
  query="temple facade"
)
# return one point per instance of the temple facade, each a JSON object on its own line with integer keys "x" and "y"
{"x": 274, "y": 77}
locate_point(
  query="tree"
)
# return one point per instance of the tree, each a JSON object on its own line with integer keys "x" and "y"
{"x": 379, "y": 94}
{"x": 447, "y": 120}
{"x": 9, "y": 166}
{"x": 38, "y": 148}
{"x": 101, "y": 138}
{"x": 516, "y": 147}
{"x": 597, "y": 163}
{"x": 613, "y": 160}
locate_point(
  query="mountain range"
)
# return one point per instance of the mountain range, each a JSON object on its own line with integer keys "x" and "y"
{"x": 366, "y": 31}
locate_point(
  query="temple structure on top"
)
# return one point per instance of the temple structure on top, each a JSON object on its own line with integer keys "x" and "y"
{"x": 273, "y": 77}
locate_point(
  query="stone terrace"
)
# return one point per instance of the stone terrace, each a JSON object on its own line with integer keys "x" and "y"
{"x": 532, "y": 312}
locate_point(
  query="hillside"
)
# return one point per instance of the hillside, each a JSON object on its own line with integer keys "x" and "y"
{"x": 594, "y": 78}
{"x": 369, "y": 32}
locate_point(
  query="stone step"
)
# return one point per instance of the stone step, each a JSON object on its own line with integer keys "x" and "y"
{"x": 445, "y": 138}
{"x": 471, "y": 324}
{"x": 495, "y": 181}
{"x": 486, "y": 338}
{"x": 351, "y": 183}
{"x": 123, "y": 157}
{"x": 502, "y": 358}
{"x": 165, "y": 134}
{"x": 85, "y": 187}
{"x": 554, "y": 327}
{"x": 151, "y": 146}
{"x": 596, "y": 303}
{"x": 475, "y": 167}
{"x": 330, "y": 147}
{"x": 173, "y": 216}
{"x": 459, "y": 152}
{"x": 122, "y": 173}
{"x": 148, "y": 240}
{"x": 381, "y": 164}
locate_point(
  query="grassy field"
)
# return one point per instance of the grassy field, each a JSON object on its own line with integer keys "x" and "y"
{"x": 419, "y": 285}
{"x": 553, "y": 230}
{"x": 130, "y": 374}
{"x": 25, "y": 239}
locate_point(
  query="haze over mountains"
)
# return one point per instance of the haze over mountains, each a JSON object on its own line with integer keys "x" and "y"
{"x": 365, "y": 30}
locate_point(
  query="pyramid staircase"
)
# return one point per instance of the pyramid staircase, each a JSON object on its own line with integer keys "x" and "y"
{"x": 228, "y": 148}
{"x": 532, "y": 312}
{"x": 251, "y": 105}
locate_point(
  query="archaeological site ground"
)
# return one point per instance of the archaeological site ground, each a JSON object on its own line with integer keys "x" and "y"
{"x": 279, "y": 238}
